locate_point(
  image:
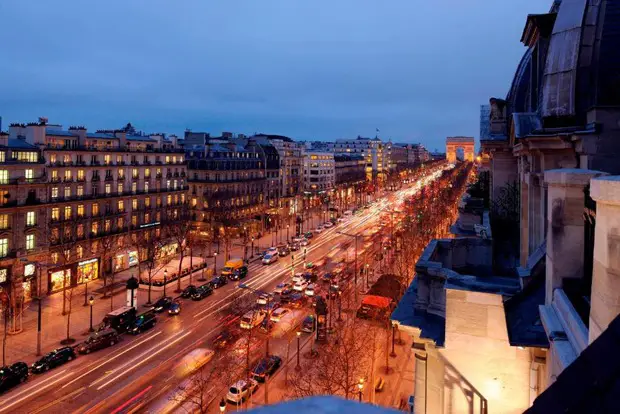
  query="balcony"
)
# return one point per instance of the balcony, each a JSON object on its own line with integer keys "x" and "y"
{"x": 91, "y": 148}
{"x": 54, "y": 179}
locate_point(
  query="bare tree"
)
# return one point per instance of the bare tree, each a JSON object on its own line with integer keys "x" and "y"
{"x": 178, "y": 226}
{"x": 150, "y": 257}
{"x": 63, "y": 238}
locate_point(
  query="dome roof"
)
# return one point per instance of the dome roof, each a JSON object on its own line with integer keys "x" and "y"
{"x": 517, "y": 97}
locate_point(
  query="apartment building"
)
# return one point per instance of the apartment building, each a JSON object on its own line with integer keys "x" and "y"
{"x": 319, "y": 171}
{"x": 375, "y": 152}
{"x": 85, "y": 202}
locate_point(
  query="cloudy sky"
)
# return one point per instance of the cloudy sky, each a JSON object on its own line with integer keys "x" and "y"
{"x": 322, "y": 69}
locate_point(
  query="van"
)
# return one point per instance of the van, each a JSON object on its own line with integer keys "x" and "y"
{"x": 120, "y": 319}
{"x": 193, "y": 361}
{"x": 99, "y": 340}
{"x": 231, "y": 265}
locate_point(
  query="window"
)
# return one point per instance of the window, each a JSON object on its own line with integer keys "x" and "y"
{"x": 55, "y": 213}
{"x": 121, "y": 173}
{"x": 94, "y": 228}
{"x": 167, "y": 184}
{"x": 168, "y": 199}
{"x": 29, "y": 174}
{"x": 80, "y": 230}
{"x": 4, "y": 221}
{"x": 4, "y": 197}
{"x": 134, "y": 187}
{"x": 67, "y": 192}
{"x": 147, "y": 173}
{"x": 80, "y": 175}
{"x": 134, "y": 219}
{"x": 80, "y": 252}
{"x": 167, "y": 159}
{"x": 80, "y": 210}
{"x": 95, "y": 209}
{"x": 106, "y": 159}
{"x": 67, "y": 175}
{"x": 53, "y": 158}
{"x": 147, "y": 218}
{"x": 119, "y": 159}
{"x": 174, "y": 184}
{"x": 29, "y": 241}
{"x": 134, "y": 203}
{"x": 120, "y": 187}
{"x": 80, "y": 190}
{"x": 108, "y": 188}
{"x": 121, "y": 222}
{"x": 146, "y": 186}
{"x": 147, "y": 202}
{"x": 2, "y": 156}
{"x": 4, "y": 247}
{"x": 31, "y": 218}
{"x": 4, "y": 176}
{"x": 67, "y": 212}
{"x": 121, "y": 206}
{"x": 182, "y": 198}
{"x": 55, "y": 192}
{"x": 28, "y": 156}
{"x": 107, "y": 225}
{"x": 134, "y": 173}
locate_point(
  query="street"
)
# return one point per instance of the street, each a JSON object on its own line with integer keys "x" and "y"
{"x": 133, "y": 375}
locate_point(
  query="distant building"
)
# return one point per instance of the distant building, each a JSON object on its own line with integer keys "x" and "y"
{"x": 319, "y": 171}
{"x": 374, "y": 151}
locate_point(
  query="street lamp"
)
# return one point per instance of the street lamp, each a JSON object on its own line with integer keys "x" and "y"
{"x": 252, "y": 252}
{"x": 393, "y": 353}
{"x": 214, "y": 263}
{"x": 91, "y": 302}
{"x": 165, "y": 280}
{"x": 288, "y": 240}
{"x": 360, "y": 385}
{"x": 367, "y": 270}
{"x": 298, "y": 367}
{"x": 222, "y": 405}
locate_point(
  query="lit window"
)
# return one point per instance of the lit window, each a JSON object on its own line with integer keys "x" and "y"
{"x": 29, "y": 241}
{"x": 29, "y": 174}
{"x": 67, "y": 192}
{"x": 121, "y": 206}
{"x": 174, "y": 184}
{"x": 80, "y": 230}
{"x": 108, "y": 188}
{"x": 80, "y": 210}
{"x": 53, "y": 158}
{"x": 167, "y": 159}
{"x": 80, "y": 174}
{"x": 134, "y": 219}
{"x": 106, "y": 159}
{"x": 4, "y": 176}
{"x": 134, "y": 173}
{"x": 120, "y": 187}
{"x": 167, "y": 184}
{"x": 4, "y": 221}
{"x": 134, "y": 203}
{"x": 80, "y": 252}
{"x": 95, "y": 209}
{"x": 4, "y": 247}
{"x": 55, "y": 213}
{"x": 80, "y": 190}
{"x": 121, "y": 173}
{"x": 146, "y": 186}
{"x": 107, "y": 225}
{"x": 134, "y": 187}
{"x": 67, "y": 175}
{"x": 95, "y": 228}
{"x": 147, "y": 201}
{"x": 147, "y": 173}
{"x": 31, "y": 218}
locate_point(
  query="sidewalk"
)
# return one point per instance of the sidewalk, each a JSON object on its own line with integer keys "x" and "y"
{"x": 23, "y": 346}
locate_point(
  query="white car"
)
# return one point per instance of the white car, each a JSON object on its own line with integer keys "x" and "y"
{"x": 300, "y": 286}
{"x": 263, "y": 299}
{"x": 252, "y": 319}
{"x": 272, "y": 250}
{"x": 319, "y": 229}
{"x": 298, "y": 277}
{"x": 270, "y": 258}
{"x": 282, "y": 286}
{"x": 328, "y": 224}
{"x": 310, "y": 290}
{"x": 298, "y": 239}
{"x": 305, "y": 242}
{"x": 278, "y": 314}
{"x": 240, "y": 390}
{"x": 341, "y": 219}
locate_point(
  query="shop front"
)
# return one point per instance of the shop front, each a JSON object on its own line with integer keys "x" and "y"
{"x": 29, "y": 283}
{"x": 74, "y": 274}
{"x": 126, "y": 259}
{"x": 168, "y": 250}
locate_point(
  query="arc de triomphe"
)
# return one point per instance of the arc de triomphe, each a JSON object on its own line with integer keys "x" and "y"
{"x": 454, "y": 143}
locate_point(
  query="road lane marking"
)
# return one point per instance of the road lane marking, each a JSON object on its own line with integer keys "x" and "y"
{"x": 113, "y": 358}
{"x": 33, "y": 386}
{"x": 38, "y": 390}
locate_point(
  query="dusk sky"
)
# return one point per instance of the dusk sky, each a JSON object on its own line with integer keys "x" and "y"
{"x": 417, "y": 70}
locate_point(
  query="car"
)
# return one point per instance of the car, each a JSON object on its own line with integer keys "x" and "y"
{"x": 225, "y": 338}
{"x": 327, "y": 277}
{"x": 252, "y": 319}
{"x": 143, "y": 322}
{"x": 298, "y": 238}
{"x": 162, "y": 304}
{"x": 319, "y": 229}
{"x": 202, "y": 292}
{"x": 188, "y": 291}
{"x": 334, "y": 292}
{"x": 308, "y": 324}
{"x": 193, "y": 361}
{"x": 328, "y": 224}
{"x": 304, "y": 243}
{"x": 308, "y": 235}
{"x": 239, "y": 273}
{"x": 264, "y": 298}
{"x": 266, "y": 367}
{"x": 218, "y": 281}
{"x": 301, "y": 286}
{"x": 278, "y": 314}
{"x": 341, "y": 219}
{"x": 53, "y": 359}
{"x": 281, "y": 286}
{"x": 284, "y": 251}
{"x": 99, "y": 340}
{"x": 272, "y": 250}
{"x": 298, "y": 277}
{"x": 311, "y": 276}
{"x": 310, "y": 290}
{"x": 270, "y": 258}
{"x": 266, "y": 326}
{"x": 348, "y": 213}
{"x": 285, "y": 296}
{"x": 175, "y": 308}
{"x": 12, "y": 375}
{"x": 241, "y": 390}
{"x": 297, "y": 300}
{"x": 295, "y": 246}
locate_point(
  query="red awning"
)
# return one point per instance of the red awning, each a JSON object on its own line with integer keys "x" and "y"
{"x": 377, "y": 301}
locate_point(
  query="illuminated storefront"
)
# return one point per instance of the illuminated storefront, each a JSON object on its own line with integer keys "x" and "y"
{"x": 87, "y": 270}
{"x": 125, "y": 260}
{"x": 73, "y": 274}
{"x": 29, "y": 283}
{"x": 59, "y": 278}
{"x": 169, "y": 249}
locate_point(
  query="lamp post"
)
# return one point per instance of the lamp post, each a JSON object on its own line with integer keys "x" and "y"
{"x": 288, "y": 239}
{"x": 367, "y": 270}
{"x": 360, "y": 386}
{"x": 91, "y": 302}
{"x": 165, "y": 280}
{"x": 298, "y": 367}
{"x": 222, "y": 405}
{"x": 393, "y": 353}
{"x": 214, "y": 263}
{"x": 252, "y": 252}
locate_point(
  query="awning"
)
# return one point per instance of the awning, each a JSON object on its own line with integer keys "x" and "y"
{"x": 377, "y": 301}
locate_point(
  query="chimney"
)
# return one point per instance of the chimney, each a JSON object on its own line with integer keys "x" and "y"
{"x": 160, "y": 140}
{"x": 80, "y": 131}
{"x": 35, "y": 133}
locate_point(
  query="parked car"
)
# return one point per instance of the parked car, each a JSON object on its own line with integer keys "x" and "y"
{"x": 12, "y": 375}
{"x": 266, "y": 367}
{"x": 284, "y": 251}
{"x": 175, "y": 308}
{"x": 270, "y": 258}
{"x": 278, "y": 314}
{"x": 202, "y": 292}
{"x": 310, "y": 290}
{"x": 308, "y": 235}
{"x": 252, "y": 319}
{"x": 305, "y": 242}
{"x": 341, "y": 219}
{"x": 239, "y": 273}
{"x": 143, "y": 322}
{"x": 225, "y": 338}
{"x": 272, "y": 250}
{"x": 188, "y": 291}
{"x": 162, "y": 304}
{"x": 319, "y": 229}
{"x": 301, "y": 286}
{"x": 99, "y": 340}
{"x": 218, "y": 281}
{"x": 241, "y": 390}
{"x": 328, "y": 224}
{"x": 281, "y": 287}
{"x": 308, "y": 324}
{"x": 53, "y": 359}
{"x": 298, "y": 277}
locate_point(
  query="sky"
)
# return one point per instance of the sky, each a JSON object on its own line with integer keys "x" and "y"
{"x": 312, "y": 70}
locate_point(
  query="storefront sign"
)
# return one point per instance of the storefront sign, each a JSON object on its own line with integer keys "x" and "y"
{"x": 85, "y": 262}
{"x": 156, "y": 223}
